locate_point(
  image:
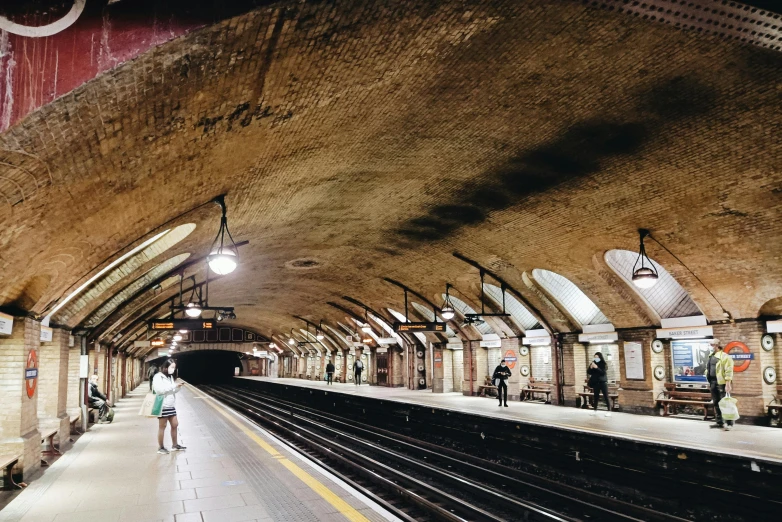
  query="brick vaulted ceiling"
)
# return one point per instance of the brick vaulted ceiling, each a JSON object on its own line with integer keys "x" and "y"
{"x": 376, "y": 138}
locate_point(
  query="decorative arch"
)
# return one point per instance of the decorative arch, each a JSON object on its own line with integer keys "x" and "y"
{"x": 569, "y": 297}
{"x": 518, "y": 312}
{"x": 463, "y": 309}
{"x": 667, "y": 298}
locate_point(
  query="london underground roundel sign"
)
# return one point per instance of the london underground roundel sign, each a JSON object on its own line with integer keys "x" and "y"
{"x": 31, "y": 373}
{"x": 510, "y": 358}
{"x": 741, "y": 355}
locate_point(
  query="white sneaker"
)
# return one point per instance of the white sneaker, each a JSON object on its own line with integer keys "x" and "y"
{"x": 728, "y": 427}
{"x": 608, "y": 414}
{"x": 593, "y": 413}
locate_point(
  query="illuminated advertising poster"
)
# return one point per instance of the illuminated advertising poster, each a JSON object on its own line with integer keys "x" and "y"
{"x": 689, "y": 360}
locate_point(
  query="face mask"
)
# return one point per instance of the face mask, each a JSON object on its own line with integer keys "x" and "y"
{"x": 171, "y": 370}
{"x": 597, "y": 359}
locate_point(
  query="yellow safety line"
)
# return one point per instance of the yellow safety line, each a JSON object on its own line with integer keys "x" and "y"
{"x": 316, "y": 486}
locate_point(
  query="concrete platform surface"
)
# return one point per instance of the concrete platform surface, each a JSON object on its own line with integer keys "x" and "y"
{"x": 232, "y": 471}
{"x": 756, "y": 442}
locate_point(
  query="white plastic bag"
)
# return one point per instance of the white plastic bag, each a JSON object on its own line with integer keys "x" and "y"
{"x": 729, "y": 408}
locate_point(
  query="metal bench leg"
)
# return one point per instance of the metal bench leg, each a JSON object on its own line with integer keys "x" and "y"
{"x": 9, "y": 483}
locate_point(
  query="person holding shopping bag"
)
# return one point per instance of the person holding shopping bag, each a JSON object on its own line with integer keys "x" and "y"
{"x": 719, "y": 374}
{"x": 165, "y": 384}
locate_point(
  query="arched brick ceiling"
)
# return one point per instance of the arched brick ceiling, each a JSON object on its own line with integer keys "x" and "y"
{"x": 377, "y": 138}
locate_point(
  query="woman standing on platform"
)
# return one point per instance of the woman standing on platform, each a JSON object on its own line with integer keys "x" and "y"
{"x": 598, "y": 381}
{"x": 165, "y": 383}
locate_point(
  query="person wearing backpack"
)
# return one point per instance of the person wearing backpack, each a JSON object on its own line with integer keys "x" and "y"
{"x": 358, "y": 367}
{"x": 719, "y": 374}
{"x": 330, "y": 373}
{"x": 598, "y": 381}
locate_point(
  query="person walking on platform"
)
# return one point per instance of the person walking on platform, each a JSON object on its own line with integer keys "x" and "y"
{"x": 719, "y": 374}
{"x": 165, "y": 383}
{"x": 330, "y": 373}
{"x": 501, "y": 373}
{"x": 150, "y": 374}
{"x": 358, "y": 367}
{"x": 598, "y": 381}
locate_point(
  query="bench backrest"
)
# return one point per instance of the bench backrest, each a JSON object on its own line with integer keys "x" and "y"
{"x": 689, "y": 395}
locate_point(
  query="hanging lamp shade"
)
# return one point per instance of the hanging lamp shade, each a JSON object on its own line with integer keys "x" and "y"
{"x": 223, "y": 257}
{"x": 447, "y": 311}
{"x": 645, "y": 275}
{"x": 193, "y": 310}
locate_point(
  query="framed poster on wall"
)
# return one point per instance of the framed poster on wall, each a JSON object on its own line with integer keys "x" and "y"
{"x": 634, "y": 361}
{"x": 689, "y": 360}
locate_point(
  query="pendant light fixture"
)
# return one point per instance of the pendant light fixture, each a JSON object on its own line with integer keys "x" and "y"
{"x": 291, "y": 341}
{"x": 223, "y": 256}
{"x": 319, "y": 332}
{"x": 177, "y": 337}
{"x": 447, "y": 311}
{"x": 193, "y": 310}
{"x": 644, "y": 276}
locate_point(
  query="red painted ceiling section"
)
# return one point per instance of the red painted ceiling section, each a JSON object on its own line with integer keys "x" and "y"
{"x": 35, "y": 71}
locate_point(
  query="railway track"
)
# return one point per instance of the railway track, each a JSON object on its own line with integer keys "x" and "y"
{"x": 417, "y": 480}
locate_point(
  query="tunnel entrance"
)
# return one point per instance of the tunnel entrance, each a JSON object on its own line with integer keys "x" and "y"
{"x": 207, "y": 366}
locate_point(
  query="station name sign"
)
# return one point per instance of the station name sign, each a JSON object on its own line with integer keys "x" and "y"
{"x": 182, "y": 324}
{"x": 419, "y": 327}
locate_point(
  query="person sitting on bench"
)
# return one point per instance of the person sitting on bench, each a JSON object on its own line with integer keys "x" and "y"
{"x": 98, "y": 400}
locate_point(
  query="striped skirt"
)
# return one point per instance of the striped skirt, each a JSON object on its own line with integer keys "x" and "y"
{"x": 168, "y": 411}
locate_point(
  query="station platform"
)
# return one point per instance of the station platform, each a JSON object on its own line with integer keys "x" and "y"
{"x": 746, "y": 441}
{"x": 231, "y": 471}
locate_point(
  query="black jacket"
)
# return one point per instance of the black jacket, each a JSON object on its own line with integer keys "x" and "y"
{"x": 95, "y": 393}
{"x": 356, "y": 369}
{"x": 597, "y": 375}
{"x": 501, "y": 373}
{"x": 329, "y": 368}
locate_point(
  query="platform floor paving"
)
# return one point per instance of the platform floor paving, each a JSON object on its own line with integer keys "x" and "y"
{"x": 232, "y": 471}
{"x": 755, "y": 442}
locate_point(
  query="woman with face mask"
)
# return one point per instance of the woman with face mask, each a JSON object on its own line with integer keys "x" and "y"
{"x": 164, "y": 383}
{"x": 598, "y": 381}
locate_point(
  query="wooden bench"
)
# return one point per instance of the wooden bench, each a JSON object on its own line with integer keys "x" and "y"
{"x": 48, "y": 437}
{"x": 586, "y": 398}
{"x": 669, "y": 401}
{"x": 7, "y": 463}
{"x": 529, "y": 392}
{"x": 487, "y": 390}
{"x": 75, "y": 424}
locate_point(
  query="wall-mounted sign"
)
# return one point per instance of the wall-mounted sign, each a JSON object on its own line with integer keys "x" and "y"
{"x": 46, "y": 334}
{"x": 510, "y": 358}
{"x": 438, "y": 359}
{"x": 601, "y": 337}
{"x": 382, "y": 350}
{"x": 419, "y": 327}
{"x": 262, "y": 353}
{"x": 182, "y": 324}
{"x": 774, "y": 326}
{"x": 740, "y": 354}
{"x": 491, "y": 343}
{"x": 31, "y": 373}
{"x": 696, "y": 332}
{"x": 634, "y": 361}
{"x": 386, "y": 340}
{"x": 690, "y": 359}
{"x": 84, "y": 366}
{"x": 6, "y": 324}
{"x": 142, "y": 344}
{"x": 536, "y": 341}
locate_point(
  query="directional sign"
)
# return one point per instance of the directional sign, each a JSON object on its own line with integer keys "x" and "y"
{"x": 182, "y": 324}
{"x": 419, "y": 327}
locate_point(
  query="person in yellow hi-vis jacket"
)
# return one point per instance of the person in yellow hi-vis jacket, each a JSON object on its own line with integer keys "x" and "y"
{"x": 719, "y": 373}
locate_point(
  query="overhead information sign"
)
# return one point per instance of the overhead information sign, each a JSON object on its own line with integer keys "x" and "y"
{"x": 182, "y": 324}
{"x": 6, "y": 324}
{"x": 419, "y": 327}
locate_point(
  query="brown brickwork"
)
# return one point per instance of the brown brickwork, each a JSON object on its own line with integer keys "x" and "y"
{"x": 369, "y": 139}
{"x": 19, "y": 414}
{"x": 53, "y": 385}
